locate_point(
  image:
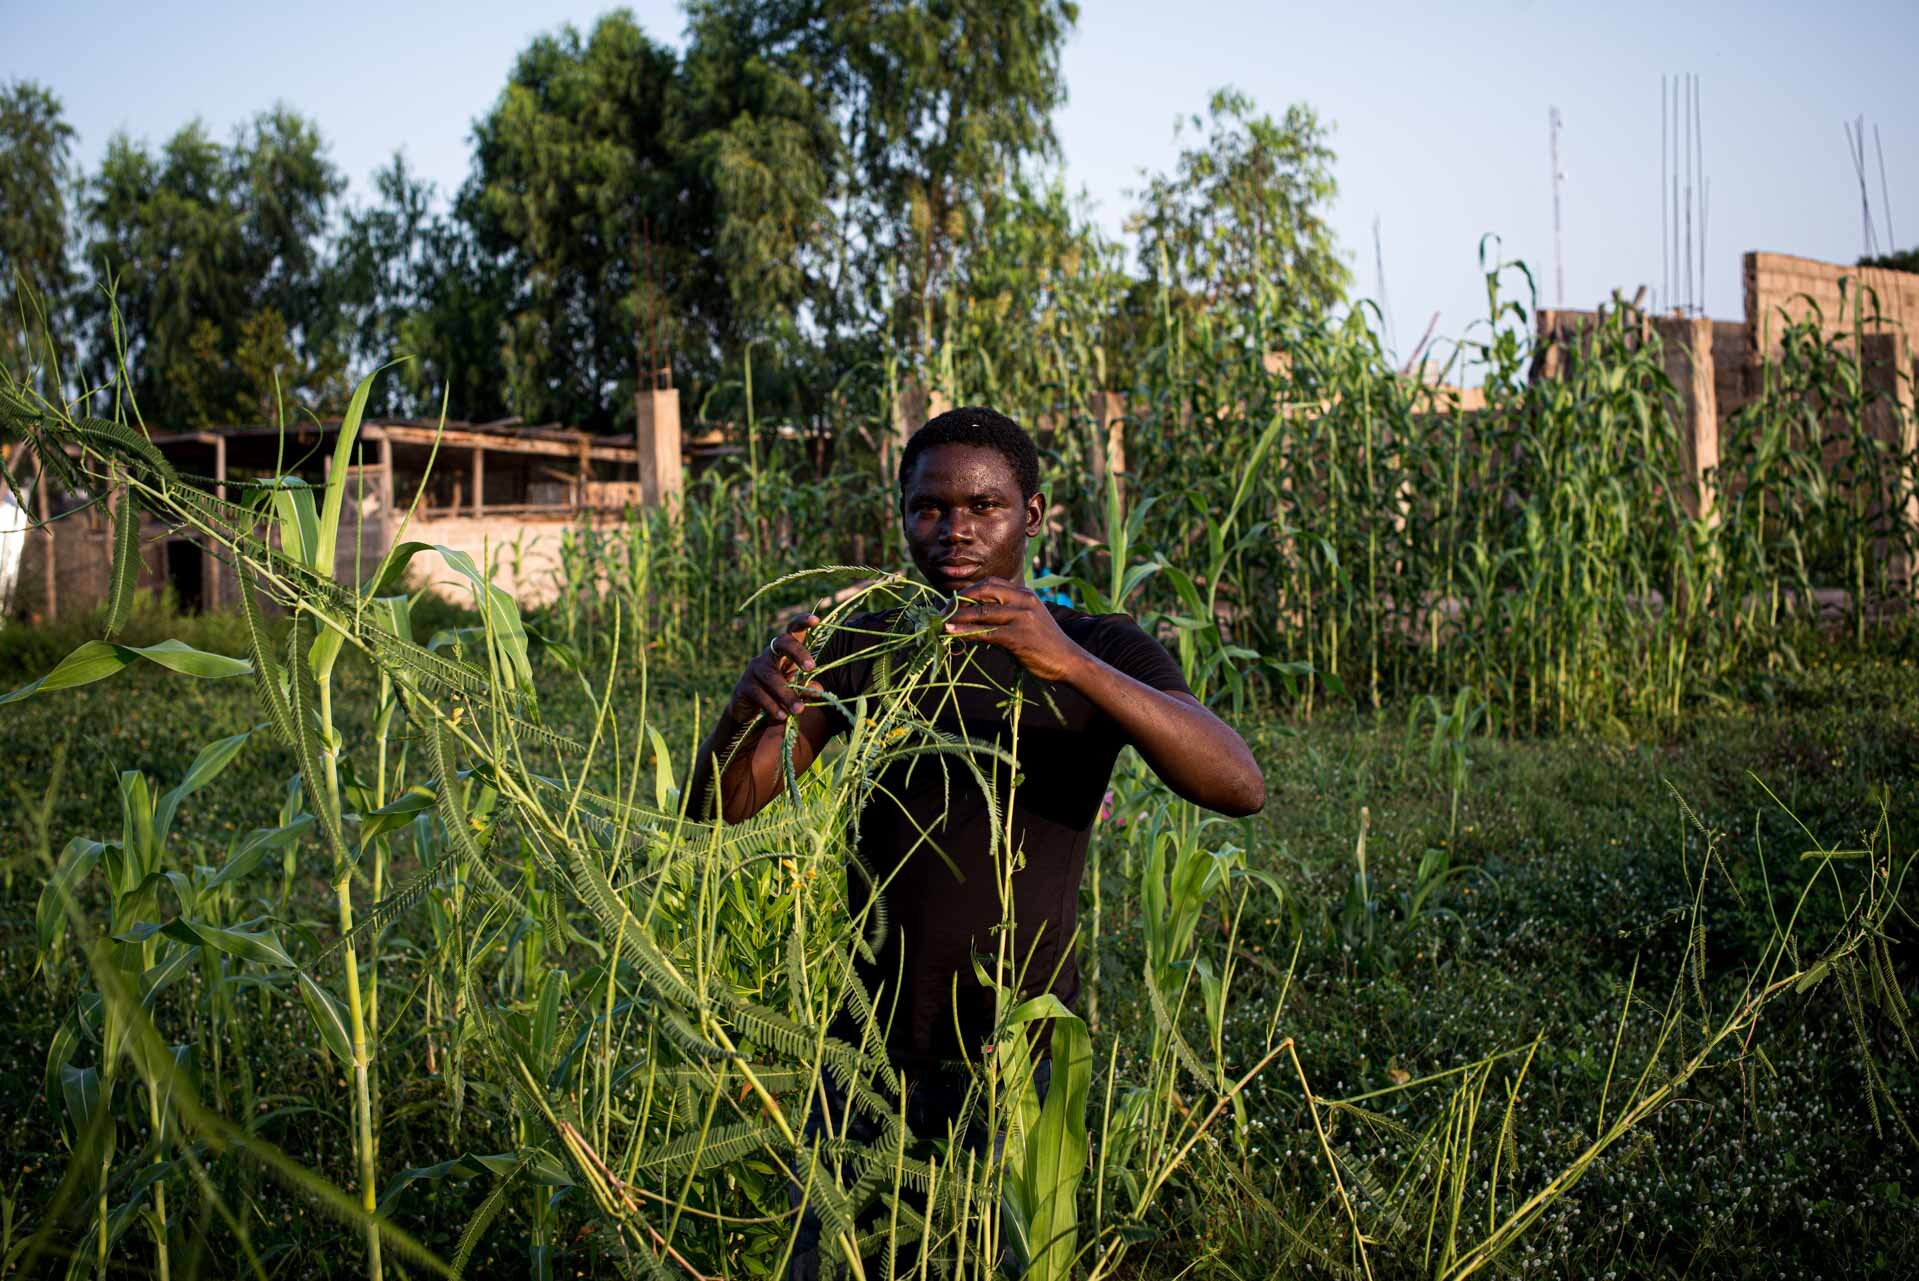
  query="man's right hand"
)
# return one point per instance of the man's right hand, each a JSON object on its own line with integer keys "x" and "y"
{"x": 772, "y": 682}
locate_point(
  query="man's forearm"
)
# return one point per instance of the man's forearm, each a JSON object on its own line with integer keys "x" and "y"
{"x": 741, "y": 765}
{"x": 1195, "y": 753}
{"x": 728, "y": 749}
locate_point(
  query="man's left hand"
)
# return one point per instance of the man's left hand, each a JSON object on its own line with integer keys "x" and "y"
{"x": 996, "y": 611}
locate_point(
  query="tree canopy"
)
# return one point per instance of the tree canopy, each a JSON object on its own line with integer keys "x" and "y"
{"x": 215, "y": 254}
{"x": 1243, "y": 212}
{"x": 844, "y": 191}
{"x": 36, "y": 149}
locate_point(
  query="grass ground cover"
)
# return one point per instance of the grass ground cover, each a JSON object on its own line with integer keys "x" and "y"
{"x": 1565, "y": 868}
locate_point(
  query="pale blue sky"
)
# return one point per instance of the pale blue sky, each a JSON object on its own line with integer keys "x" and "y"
{"x": 1440, "y": 109}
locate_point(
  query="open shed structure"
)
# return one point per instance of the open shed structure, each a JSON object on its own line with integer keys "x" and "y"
{"x": 501, "y": 492}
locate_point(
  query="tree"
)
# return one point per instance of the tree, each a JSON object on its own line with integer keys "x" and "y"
{"x": 811, "y": 171}
{"x": 1039, "y": 268}
{"x": 575, "y": 189}
{"x": 1240, "y": 223}
{"x": 945, "y": 102}
{"x": 36, "y": 144}
{"x": 1897, "y": 260}
{"x": 760, "y": 151}
{"x": 409, "y": 281}
{"x": 214, "y": 257}
{"x": 933, "y": 108}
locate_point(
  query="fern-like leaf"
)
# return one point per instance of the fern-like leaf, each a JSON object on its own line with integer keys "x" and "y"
{"x": 126, "y": 562}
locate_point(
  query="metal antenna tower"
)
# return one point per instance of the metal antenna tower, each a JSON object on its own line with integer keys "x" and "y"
{"x": 1559, "y": 245}
{"x": 1665, "y": 242}
{"x": 1705, "y": 191}
{"x": 1692, "y": 296}
{"x": 1856, "y": 152}
{"x": 1676, "y": 295}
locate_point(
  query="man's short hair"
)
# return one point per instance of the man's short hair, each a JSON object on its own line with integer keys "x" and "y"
{"x": 977, "y": 425}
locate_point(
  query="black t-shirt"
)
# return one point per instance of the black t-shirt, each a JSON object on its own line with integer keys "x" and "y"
{"x": 940, "y": 916}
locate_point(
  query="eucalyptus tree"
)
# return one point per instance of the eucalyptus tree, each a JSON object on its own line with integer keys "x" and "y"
{"x": 409, "y": 278}
{"x": 1037, "y": 266}
{"x": 761, "y": 152}
{"x": 575, "y": 190}
{"x": 934, "y": 107}
{"x": 36, "y": 145}
{"x": 215, "y": 258}
{"x": 1242, "y": 216}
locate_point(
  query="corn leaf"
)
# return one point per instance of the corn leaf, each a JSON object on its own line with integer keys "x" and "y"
{"x": 329, "y": 1018}
{"x": 207, "y": 766}
{"x": 327, "y": 533}
{"x": 97, "y": 660}
{"x": 1046, "y": 1178}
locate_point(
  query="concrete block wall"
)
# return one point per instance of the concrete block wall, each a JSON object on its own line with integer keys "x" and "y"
{"x": 1735, "y": 371}
{"x": 1717, "y": 367}
{"x": 1782, "y": 283}
{"x": 1689, "y": 347}
{"x": 1893, "y": 422}
{"x": 656, "y": 437}
{"x": 1686, "y": 346}
{"x": 83, "y": 557}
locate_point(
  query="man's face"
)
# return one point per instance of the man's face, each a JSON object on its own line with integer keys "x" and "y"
{"x": 965, "y": 518}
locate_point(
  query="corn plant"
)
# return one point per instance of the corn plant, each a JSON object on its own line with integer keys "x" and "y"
{"x": 1452, "y": 729}
{"x": 151, "y": 948}
{"x": 707, "y": 1026}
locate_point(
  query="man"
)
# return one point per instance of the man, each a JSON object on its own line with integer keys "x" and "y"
{"x": 969, "y": 503}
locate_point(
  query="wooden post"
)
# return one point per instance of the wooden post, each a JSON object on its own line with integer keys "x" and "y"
{"x": 479, "y": 480}
{"x": 656, "y": 436}
{"x": 1686, "y": 352}
{"x": 386, "y": 472}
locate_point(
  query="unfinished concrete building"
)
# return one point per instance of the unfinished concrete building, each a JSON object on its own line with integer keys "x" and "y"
{"x": 1718, "y": 367}
{"x": 502, "y": 493}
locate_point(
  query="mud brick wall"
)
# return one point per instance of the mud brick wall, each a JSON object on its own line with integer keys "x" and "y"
{"x": 532, "y": 576}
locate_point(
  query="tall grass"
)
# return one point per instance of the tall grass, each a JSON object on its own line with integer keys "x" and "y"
{"x": 1327, "y": 529}
{"x": 642, "y": 1006}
